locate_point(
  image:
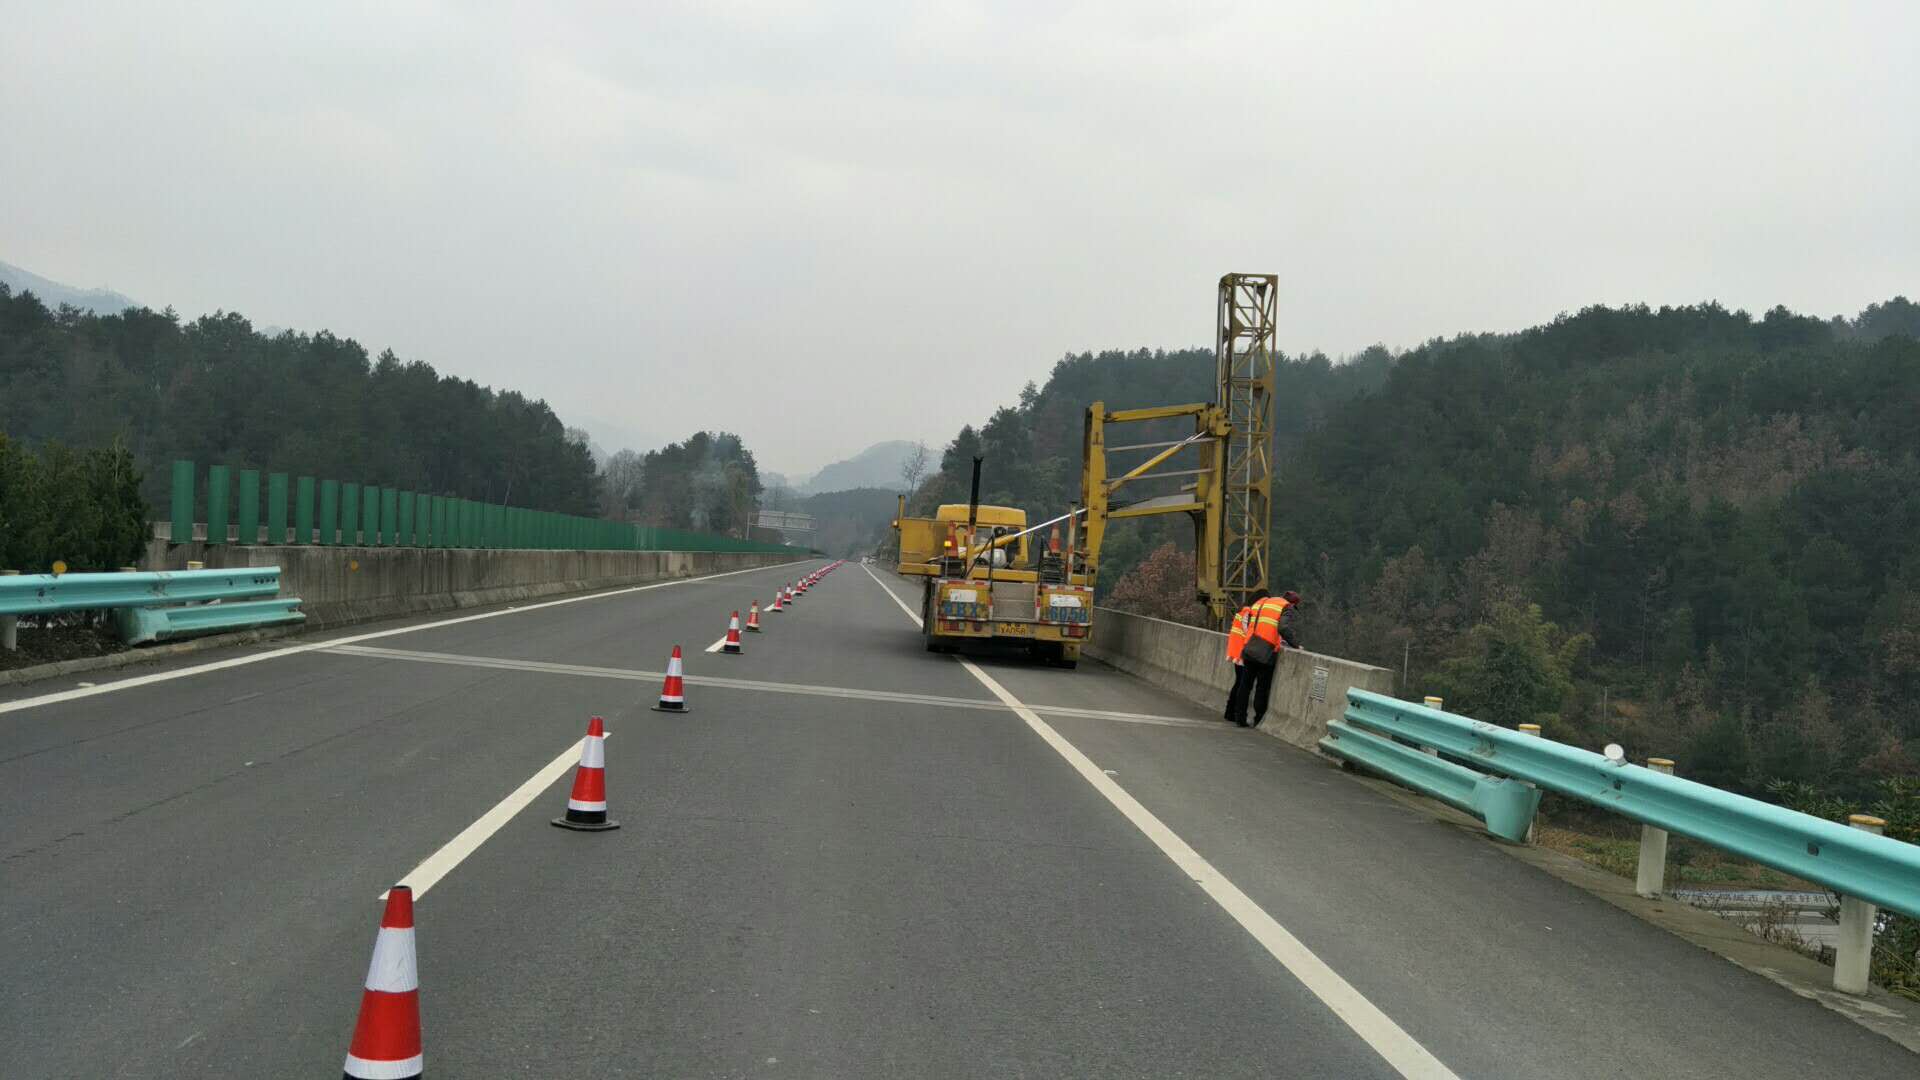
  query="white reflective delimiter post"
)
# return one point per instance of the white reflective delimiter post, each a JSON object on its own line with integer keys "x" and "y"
{"x": 1651, "y": 880}
{"x": 1853, "y": 956}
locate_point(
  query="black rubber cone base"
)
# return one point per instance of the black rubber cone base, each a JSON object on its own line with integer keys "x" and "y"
{"x": 576, "y": 826}
{"x": 657, "y": 707}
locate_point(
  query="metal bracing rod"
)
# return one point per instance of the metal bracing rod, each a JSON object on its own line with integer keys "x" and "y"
{"x": 1137, "y": 470}
{"x": 1149, "y": 445}
{"x": 1011, "y": 537}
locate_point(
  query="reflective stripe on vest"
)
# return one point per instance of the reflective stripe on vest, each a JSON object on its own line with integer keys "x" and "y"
{"x": 1237, "y": 637}
{"x": 1266, "y": 620}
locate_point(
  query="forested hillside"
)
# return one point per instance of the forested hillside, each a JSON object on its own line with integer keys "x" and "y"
{"x": 215, "y": 390}
{"x": 1718, "y": 518}
{"x": 851, "y": 522}
{"x": 1686, "y": 528}
{"x": 707, "y": 481}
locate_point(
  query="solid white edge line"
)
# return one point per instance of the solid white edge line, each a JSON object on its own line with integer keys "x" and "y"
{"x": 1374, "y": 1027}
{"x": 468, "y": 840}
{"x": 316, "y": 646}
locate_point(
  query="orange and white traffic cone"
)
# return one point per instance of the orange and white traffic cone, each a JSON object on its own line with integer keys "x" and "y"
{"x": 778, "y": 595}
{"x": 386, "y": 1038}
{"x": 791, "y": 595}
{"x": 673, "y": 697}
{"x": 587, "y": 803}
{"x": 753, "y": 618}
{"x": 731, "y": 646}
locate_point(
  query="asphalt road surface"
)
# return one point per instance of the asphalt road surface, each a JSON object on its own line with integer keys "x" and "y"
{"x": 852, "y": 859}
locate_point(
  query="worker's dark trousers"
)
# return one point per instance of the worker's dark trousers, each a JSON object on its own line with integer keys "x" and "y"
{"x": 1253, "y": 680}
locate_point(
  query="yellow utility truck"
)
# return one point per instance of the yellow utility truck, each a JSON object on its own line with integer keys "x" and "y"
{"x": 983, "y": 583}
{"x": 990, "y": 576}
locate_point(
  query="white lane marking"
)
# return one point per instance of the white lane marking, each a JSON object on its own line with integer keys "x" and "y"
{"x": 718, "y": 645}
{"x": 1376, "y": 1028}
{"x": 295, "y": 650}
{"x": 468, "y": 840}
{"x": 546, "y": 668}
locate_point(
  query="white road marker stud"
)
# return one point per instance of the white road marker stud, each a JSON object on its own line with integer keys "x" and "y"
{"x": 1376, "y": 1028}
{"x": 318, "y": 646}
{"x": 468, "y": 840}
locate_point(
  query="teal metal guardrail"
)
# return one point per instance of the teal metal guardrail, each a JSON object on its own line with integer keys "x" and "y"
{"x": 39, "y": 594}
{"x": 369, "y": 515}
{"x": 1852, "y": 862}
{"x": 1507, "y": 806}
{"x": 156, "y": 606}
{"x": 144, "y": 624}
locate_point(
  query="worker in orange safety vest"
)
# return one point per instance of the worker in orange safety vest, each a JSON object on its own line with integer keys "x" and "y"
{"x": 1267, "y": 625}
{"x": 1236, "y": 643}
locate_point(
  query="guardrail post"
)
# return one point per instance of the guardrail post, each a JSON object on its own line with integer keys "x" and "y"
{"x": 1432, "y": 702}
{"x": 182, "y": 502}
{"x": 9, "y": 624}
{"x": 219, "y": 488}
{"x": 1651, "y": 879}
{"x": 248, "y": 518}
{"x": 277, "y": 508}
{"x": 329, "y": 512}
{"x": 1534, "y": 731}
{"x": 1853, "y": 958}
{"x": 349, "y": 513}
{"x": 303, "y": 510}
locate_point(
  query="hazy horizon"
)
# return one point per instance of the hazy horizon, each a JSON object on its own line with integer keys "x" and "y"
{"x": 734, "y": 217}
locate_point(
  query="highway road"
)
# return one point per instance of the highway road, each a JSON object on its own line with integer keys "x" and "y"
{"x": 852, "y": 859}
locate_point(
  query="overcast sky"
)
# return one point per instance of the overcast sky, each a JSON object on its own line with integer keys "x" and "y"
{"x": 822, "y": 227}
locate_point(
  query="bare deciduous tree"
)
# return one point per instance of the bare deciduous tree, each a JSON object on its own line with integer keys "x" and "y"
{"x": 914, "y": 467}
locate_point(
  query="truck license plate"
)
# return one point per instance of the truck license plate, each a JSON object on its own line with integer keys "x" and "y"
{"x": 1018, "y": 628}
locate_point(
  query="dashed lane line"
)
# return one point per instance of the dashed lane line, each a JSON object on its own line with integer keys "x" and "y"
{"x": 762, "y": 686}
{"x": 468, "y": 840}
{"x": 1399, "y": 1049}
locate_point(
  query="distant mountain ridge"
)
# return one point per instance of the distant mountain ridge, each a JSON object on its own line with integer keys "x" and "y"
{"x": 53, "y": 293}
{"x": 878, "y": 466}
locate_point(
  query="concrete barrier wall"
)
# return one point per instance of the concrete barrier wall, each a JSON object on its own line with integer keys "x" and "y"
{"x": 338, "y": 585}
{"x": 1308, "y": 689}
